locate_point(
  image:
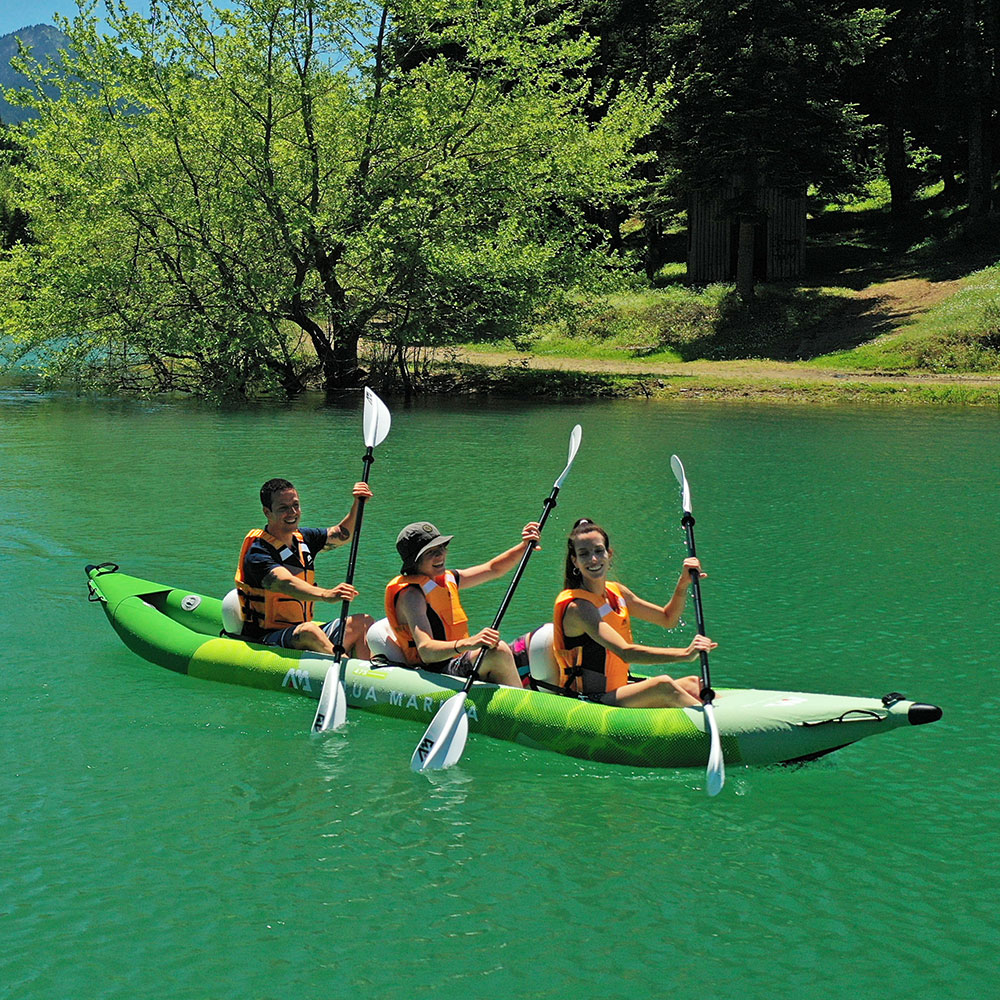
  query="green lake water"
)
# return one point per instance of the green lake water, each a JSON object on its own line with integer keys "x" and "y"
{"x": 167, "y": 837}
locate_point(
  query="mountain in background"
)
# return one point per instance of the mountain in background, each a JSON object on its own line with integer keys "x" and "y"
{"x": 44, "y": 40}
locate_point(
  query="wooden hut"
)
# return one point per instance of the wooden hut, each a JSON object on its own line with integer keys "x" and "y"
{"x": 779, "y": 238}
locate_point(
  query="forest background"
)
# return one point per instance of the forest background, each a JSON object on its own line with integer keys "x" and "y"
{"x": 259, "y": 198}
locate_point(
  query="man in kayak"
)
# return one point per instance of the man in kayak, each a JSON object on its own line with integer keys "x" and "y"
{"x": 425, "y": 613}
{"x": 592, "y": 631}
{"x": 276, "y": 580}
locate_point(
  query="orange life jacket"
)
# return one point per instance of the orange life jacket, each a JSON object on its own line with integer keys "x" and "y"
{"x": 585, "y": 667}
{"x": 445, "y": 613}
{"x": 264, "y": 610}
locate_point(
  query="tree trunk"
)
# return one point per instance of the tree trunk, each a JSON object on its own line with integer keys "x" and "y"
{"x": 340, "y": 367}
{"x": 949, "y": 175}
{"x": 897, "y": 169}
{"x": 979, "y": 173}
{"x": 744, "y": 258}
{"x": 653, "y": 257}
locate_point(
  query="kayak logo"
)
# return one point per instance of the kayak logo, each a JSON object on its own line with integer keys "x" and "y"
{"x": 399, "y": 699}
{"x": 424, "y": 749}
{"x": 297, "y": 679}
{"x": 422, "y": 703}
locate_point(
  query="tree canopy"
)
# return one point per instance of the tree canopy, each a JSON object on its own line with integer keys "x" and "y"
{"x": 225, "y": 199}
{"x": 230, "y": 199}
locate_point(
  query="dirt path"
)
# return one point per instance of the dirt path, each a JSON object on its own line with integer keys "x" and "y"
{"x": 891, "y": 305}
{"x": 776, "y": 371}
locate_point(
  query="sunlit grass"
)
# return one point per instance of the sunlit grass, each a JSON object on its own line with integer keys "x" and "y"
{"x": 961, "y": 333}
{"x": 877, "y": 197}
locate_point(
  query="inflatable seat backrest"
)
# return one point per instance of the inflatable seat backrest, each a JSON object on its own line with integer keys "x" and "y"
{"x": 381, "y": 640}
{"x": 541, "y": 659}
{"x": 232, "y": 614}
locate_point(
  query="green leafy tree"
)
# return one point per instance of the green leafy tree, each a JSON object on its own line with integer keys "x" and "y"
{"x": 227, "y": 199}
{"x": 13, "y": 218}
{"x": 633, "y": 50}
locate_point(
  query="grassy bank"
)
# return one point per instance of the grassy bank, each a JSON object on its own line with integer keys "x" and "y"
{"x": 514, "y": 378}
{"x": 911, "y": 309}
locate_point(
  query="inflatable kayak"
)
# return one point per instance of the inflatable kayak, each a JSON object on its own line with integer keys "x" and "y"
{"x": 182, "y": 630}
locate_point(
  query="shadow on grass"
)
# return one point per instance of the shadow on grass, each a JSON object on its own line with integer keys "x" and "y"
{"x": 785, "y": 324}
{"x": 519, "y": 381}
{"x": 801, "y": 321}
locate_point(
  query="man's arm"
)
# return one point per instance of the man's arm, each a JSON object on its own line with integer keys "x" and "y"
{"x": 338, "y": 534}
{"x": 282, "y": 581}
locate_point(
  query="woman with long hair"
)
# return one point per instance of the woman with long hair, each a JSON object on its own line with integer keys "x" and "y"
{"x": 592, "y": 631}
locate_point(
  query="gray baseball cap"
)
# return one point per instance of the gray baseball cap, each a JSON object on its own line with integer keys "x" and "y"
{"x": 415, "y": 539}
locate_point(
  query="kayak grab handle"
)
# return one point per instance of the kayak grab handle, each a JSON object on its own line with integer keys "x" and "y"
{"x": 93, "y": 594}
{"x": 104, "y": 567}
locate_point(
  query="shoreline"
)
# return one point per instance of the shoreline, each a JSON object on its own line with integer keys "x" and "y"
{"x": 514, "y": 374}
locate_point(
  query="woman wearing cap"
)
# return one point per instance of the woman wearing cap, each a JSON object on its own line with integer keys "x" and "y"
{"x": 426, "y": 615}
{"x": 592, "y": 632}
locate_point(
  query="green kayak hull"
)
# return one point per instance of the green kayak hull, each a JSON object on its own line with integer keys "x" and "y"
{"x": 182, "y": 630}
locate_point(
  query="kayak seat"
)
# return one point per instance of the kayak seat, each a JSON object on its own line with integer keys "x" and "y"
{"x": 541, "y": 659}
{"x": 383, "y": 643}
{"x": 232, "y": 613}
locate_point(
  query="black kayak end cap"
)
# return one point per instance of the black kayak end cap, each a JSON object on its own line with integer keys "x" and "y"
{"x": 920, "y": 714}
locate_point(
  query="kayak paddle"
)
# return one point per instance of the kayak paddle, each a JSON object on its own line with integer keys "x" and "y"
{"x": 332, "y": 710}
{"x": 443, "y": 742}
{"x": 716, "y": 774}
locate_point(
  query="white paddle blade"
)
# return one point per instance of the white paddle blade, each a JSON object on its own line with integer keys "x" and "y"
{"x": 377, "y": 419}
{"x": 678, "y": 469}
{"x": 715, "y": 776}
{"x": 444, "y": 740}
{"x": 574, "y": 446}
{"x": 332, "y": 710}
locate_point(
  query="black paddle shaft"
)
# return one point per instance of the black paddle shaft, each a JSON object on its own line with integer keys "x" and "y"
{"x": 549, "y": 503}
{"x": 338, "y": 642}
{"x": 707, "y": 694}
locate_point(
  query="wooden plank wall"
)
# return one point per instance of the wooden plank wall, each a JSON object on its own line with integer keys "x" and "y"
{"x": 711, "y": 237}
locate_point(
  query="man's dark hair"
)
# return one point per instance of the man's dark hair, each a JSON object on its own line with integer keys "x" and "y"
{"x": 271, "y": 487}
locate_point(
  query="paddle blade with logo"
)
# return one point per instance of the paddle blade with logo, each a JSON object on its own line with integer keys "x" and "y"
{"x": 332, "y": 710}
{"x": 376, "y": 420}
{"x": 444, "y": 740}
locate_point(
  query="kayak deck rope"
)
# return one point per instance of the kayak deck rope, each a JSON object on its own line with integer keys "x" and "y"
{"x": 851, "y": 715}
